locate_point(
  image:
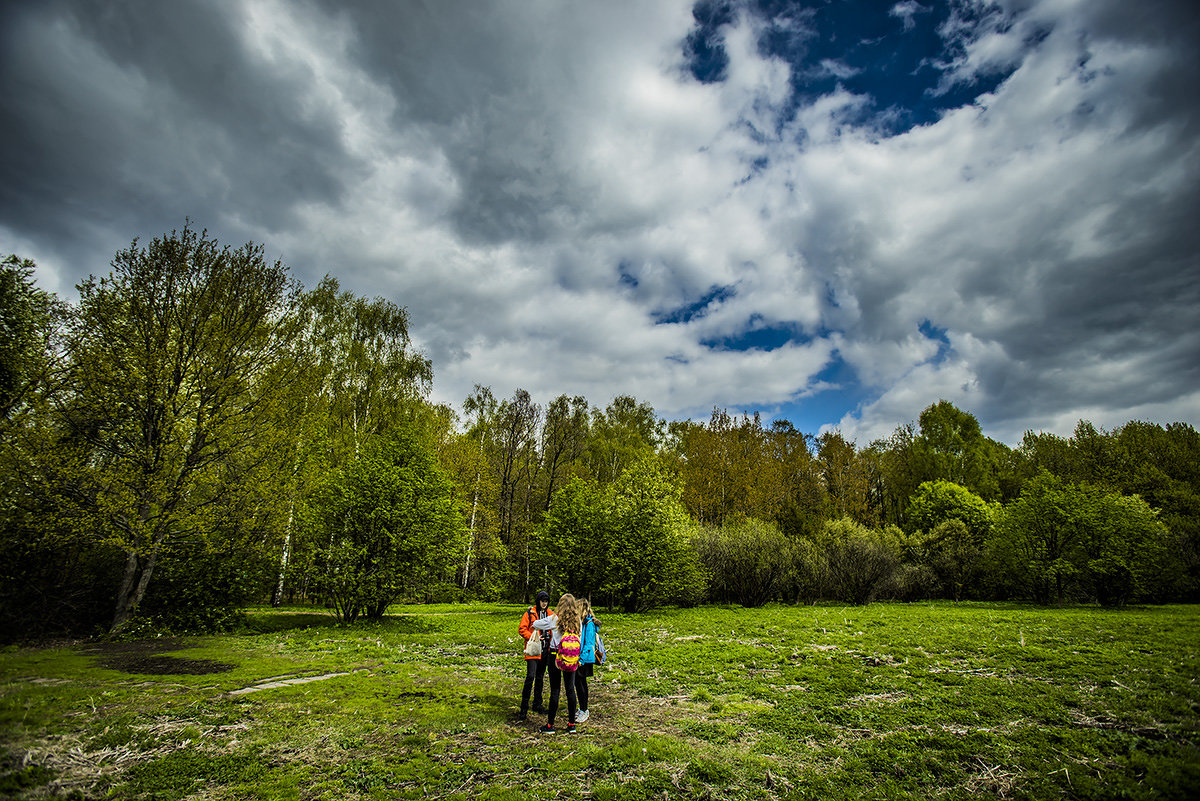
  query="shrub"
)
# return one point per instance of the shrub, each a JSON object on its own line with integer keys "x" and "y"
{"x": 749, "y": 563}
{"x": 391, "y": 526}
{"x": 859, "y": 561}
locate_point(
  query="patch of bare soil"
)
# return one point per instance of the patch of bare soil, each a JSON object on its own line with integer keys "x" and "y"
{"x": 147, "y": 657}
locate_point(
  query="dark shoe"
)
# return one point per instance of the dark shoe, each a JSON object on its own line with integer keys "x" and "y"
{"x": 539, "y": 710}
{"x": 570, "y": 728}
{"x": 547, "y": 729}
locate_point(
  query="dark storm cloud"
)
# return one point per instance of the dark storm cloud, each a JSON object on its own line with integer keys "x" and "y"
{"x": 139, "y": 114}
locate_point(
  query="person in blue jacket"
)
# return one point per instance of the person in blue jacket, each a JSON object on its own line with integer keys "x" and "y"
{"x": 587, "y": 657}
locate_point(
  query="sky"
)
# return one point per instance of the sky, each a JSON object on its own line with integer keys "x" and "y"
{"x": 832, "y": 212}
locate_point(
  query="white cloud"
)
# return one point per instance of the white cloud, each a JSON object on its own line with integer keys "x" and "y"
{"x": 907, "y": 11}
{"x": 498, "y": 172}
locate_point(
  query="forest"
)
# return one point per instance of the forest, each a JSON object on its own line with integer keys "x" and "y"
{"x": 198, "y": 431}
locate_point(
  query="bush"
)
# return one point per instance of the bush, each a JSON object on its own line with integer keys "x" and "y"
{"x": 749, "y": 563}
{"x": 954, "y": 558}
{"x": 389, "y": 525}
{"x": 859, "y": 562}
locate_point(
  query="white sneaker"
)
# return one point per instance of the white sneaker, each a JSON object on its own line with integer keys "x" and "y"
{"x": 582, "y": 715}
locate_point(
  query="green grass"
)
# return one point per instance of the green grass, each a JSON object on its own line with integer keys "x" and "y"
{"x": 885, "y": 701}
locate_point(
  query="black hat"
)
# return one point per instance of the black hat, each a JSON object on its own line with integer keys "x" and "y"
{"x": 543, "y": 595}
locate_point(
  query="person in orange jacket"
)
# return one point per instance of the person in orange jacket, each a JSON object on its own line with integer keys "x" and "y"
{"x": 535, "y": 666}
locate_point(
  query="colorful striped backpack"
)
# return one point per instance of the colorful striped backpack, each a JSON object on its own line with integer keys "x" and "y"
{"x": 568, "y": 652}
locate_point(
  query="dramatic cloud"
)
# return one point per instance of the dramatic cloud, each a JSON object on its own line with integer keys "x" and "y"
{"x": 837, "y": 218}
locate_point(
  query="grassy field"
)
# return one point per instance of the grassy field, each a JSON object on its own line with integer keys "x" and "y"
{"x": 884, "y": 701}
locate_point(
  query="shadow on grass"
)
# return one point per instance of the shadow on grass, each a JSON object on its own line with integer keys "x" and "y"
{"x": 272, "y": 622}
{"x": 147, "y": 657}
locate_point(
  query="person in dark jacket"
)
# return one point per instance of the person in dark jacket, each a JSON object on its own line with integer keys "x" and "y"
{"x": 535, "y": 666}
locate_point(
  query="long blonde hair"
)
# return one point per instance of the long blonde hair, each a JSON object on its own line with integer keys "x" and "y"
{"x": 568, "y": 614}
{"x": 585, "y": 609}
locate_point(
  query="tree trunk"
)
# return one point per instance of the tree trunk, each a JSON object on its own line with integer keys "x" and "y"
{"x": 122, "y": 612}
{"x": 284, "y": 556}
{"x": 471, "y": 543}
{"x": 131, "y": 595}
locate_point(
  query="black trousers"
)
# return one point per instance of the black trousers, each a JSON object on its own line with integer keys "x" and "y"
{"x": 556, "y": 682}
{"x": 581, "y": 688}
{"x": 535, "y": 669}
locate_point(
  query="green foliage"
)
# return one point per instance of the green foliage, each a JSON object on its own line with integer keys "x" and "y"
{"x": 202, "y": 588}
{"x": 27, "y": 324}
{"x": 391, "y": 525}
{"x": 939, "y": 501}
{"x": 955, "y": 556}
{"x": 1036, "y": 540}
{"x": 1061, "y": 539}
{"x": 197, "y": 431}
{"x": 952, "y": 447}
{"x": 170, "y": 377}
{"x": 574, "y": 538}
{"x": 1122, "y": 543}
{"x": 625, "y": 543}
{"x": 858, "y": 562}
{"x": 749, "y": 563}
{"x": 649, "y": 562}
{"x": 619, "y": 435}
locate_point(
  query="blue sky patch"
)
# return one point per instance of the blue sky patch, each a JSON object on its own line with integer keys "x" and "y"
{"x": 698, "y": 308}
{"x": 826, "y": 406}
{"x": 931, "y": 331}
{"x": 891, "y": 52}
{"x": 768, "y": 337}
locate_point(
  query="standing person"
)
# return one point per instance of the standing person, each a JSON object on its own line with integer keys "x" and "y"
{"x": 565, "y": 625}
{"x": 535, "y": 666}
{"x": 590, "y": 627}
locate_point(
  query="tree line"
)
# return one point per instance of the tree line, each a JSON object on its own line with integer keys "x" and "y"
{"x": 199, "y": 431}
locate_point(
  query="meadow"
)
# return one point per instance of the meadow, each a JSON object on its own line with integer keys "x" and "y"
{"x": 936, "y": 700}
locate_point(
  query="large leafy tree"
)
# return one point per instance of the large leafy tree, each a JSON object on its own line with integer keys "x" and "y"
{"x": 29, "y": 319}
{"x": 951, "y": 446}
{"x": 352, "y": 373}
{"x": 1122, "y": 543}
{"x": 172, "y": 390}
{"x": 1036, "y": 541}
{"x": 624, "y": 543}
{"x": 1062, "y": 538}
{"x": 388, "y": 523}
